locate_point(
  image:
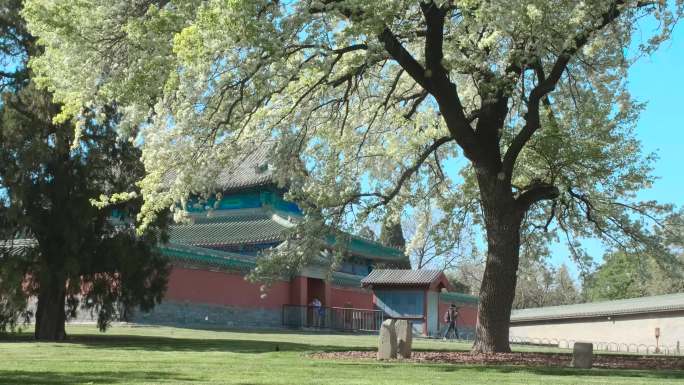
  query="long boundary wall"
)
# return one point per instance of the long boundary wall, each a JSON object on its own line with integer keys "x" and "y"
{"x": 618, "y": 331}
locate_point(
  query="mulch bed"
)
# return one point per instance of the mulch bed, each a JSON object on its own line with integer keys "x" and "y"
{"x": 607, "y": 361}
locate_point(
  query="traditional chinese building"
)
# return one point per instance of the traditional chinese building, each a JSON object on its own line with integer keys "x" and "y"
{"x": 422, "y": 297}
{"x": 212, "y": 255}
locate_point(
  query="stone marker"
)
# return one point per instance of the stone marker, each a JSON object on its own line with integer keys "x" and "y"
{"x": 582, "y": 355}
{"x": 387, "y": 342}
{"x": 404, "y": 338}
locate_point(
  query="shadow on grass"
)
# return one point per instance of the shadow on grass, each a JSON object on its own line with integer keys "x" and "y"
{"x": 239, "y": 345}
{"x": 464, "y": 369}
{"x": 555, "y": 371}
{"x": 184, "y": 344}
{"x": 13, "y": 377}
{"x": 265, "y": 330}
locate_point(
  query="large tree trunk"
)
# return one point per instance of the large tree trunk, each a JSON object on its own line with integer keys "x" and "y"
{"x": 502, "y": 222}
{"x": 50, "y": 313}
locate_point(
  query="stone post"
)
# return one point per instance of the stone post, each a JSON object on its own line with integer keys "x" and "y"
{"x": 387, "y": 342}
{"x": 404, "y": 331}
{"x": 582, "y": 355}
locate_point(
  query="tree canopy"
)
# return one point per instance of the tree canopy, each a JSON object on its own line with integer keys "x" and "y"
{"x": 630, "y": 276}
{"x": 511, "y": 115}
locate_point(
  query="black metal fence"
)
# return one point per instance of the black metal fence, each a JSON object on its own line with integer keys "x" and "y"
{"x": 332, "y": 318}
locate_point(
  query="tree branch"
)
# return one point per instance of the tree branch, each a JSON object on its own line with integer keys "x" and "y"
{"x": 548, "y": 83}
{"x": 434, "y": 40}
{"x": 439, "y": 84}
{"x": 404, "y": 58}
{"x": 408, "y": 173}
{"x": 435, "y": 78}
{"x": 536, "y": 192}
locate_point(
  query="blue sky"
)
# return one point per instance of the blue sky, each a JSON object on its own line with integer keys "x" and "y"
{"x": 657, "y": 80}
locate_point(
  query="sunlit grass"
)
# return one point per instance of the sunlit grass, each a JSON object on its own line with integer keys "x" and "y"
{"x": 157, "y": 355}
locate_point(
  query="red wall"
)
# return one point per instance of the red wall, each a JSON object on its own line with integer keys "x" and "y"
{"x": 359, "y": 298}
{"x": 219, "y": 288}
{"x": 467, "y": 313}
{"x": 298, "y": 291}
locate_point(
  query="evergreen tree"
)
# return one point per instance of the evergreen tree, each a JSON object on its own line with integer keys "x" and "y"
{"x": 567, "y": 292}
{"x": 56, "y": 246}
{"x": 392, "y": 235}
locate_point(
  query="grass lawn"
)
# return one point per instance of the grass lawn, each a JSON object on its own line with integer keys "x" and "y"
{"x": 158, "y": 355}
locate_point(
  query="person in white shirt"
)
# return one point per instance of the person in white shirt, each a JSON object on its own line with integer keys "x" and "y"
{"x": 317, "y": 308}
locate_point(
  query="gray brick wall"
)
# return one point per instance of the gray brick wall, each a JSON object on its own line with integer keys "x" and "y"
{"x": 209, "y": 316}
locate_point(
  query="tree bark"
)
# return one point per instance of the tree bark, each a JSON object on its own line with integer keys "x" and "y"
{"x": 502, "y": 222}
{"x": 50, "y": 312}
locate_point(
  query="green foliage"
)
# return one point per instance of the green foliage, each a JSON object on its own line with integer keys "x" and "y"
{"x": 624, "y": 275}
{"x": 392, "y": 235}
{"x": 16, "y": 46}
{"x": 49, "y": 185}
{"x": 53, "y": 240}
{"x": 13, "y": 299}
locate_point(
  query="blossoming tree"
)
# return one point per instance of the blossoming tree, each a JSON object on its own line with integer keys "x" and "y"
{"x": 513, "y": 115}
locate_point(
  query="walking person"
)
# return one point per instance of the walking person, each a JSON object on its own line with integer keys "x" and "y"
{"x": 450, "y": 319}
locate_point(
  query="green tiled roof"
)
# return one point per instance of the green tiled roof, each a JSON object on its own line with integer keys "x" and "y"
{"x": 228, "y": 231}
{"x": 207, "y": 257}
{"x": 262, "y": 227}
{"x": 402, "y": 277}
{"x": 248, "y": 170}
{"x": 374, "y": 250}
{"x": 654, "y": 304}
{"x": 458, "y": 297}
{"x": 346, "y": 279}
{"x": 233, "y": 261}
